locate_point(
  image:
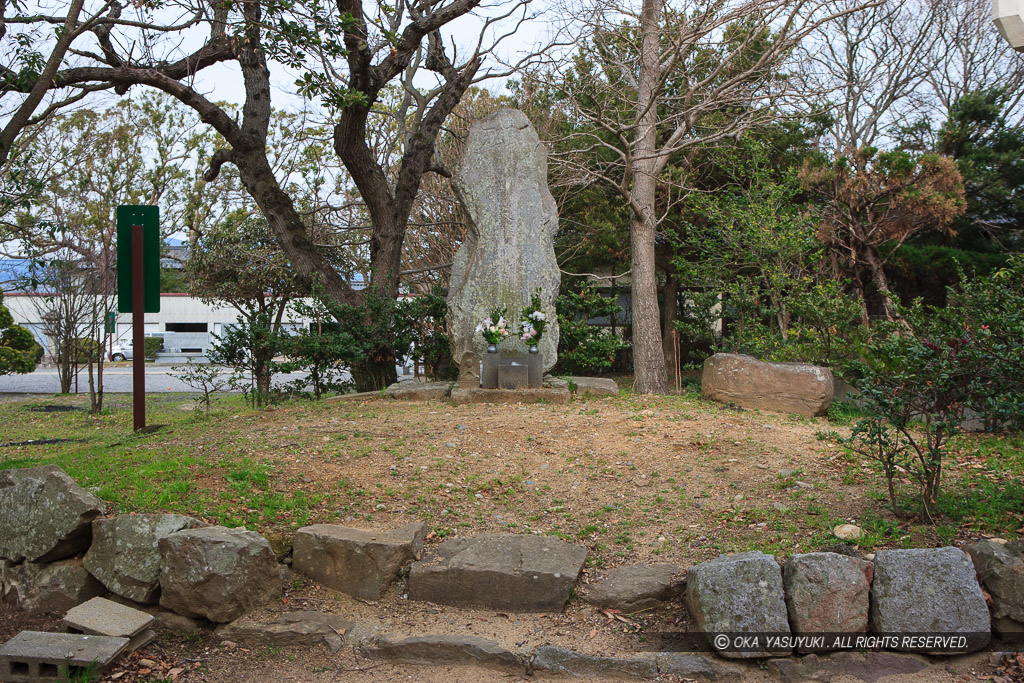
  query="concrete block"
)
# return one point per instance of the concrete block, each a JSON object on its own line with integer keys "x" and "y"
{"x": 102, "y": 617}
{"x": 34, "y": 656}
{"x": 513, "y": 376}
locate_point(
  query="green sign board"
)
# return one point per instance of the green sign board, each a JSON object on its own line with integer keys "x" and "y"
{"x": 111, "y": 324}
{"x": 149, "y": 218}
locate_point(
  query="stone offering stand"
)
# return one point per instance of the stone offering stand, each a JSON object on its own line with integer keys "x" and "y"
{"x": 171, "y": 572}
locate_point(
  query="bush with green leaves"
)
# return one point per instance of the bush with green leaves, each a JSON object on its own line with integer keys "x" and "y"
{"x": 19, "y": 352}
{"x": 250, "y": 346}
{"x": 428, "y": 325}
{"x": 152, "y": 346}
{"x": 204, "y": 377}
{"x": 585, "y": 348}
{"x": 914, "y": 385}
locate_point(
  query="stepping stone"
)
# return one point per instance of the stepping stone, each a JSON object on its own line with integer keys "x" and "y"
{"x": 33, "y": 656}
{"x": 637, "y": 587}
{"x": 360, "y": 562}
{"x": 102, "y": 617}
{"x": 509, "y": 572}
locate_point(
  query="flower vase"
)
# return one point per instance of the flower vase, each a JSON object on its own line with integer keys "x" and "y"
{"x": 492, "y": 348}
{"x": 534, "y": 349}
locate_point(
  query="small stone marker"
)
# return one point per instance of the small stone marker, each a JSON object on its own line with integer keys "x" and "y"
{"x": 34, "y": 656}
{"x": 102, "y": 617}
{"x": 513, "y": 376}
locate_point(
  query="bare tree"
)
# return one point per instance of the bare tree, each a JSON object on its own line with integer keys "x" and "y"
{"x": 653, "y": 80}
{"x": 346, "y": 55}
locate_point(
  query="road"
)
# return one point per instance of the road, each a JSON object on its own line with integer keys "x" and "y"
{"x": 117, "y": 379}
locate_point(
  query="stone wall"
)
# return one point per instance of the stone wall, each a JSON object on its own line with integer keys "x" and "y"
{"x": 198, "y": 572}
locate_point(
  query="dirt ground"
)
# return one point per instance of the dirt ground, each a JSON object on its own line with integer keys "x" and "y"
{"x": 636, "y": 480}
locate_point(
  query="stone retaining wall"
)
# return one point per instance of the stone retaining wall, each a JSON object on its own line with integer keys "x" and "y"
{"x": 219, "y": 574}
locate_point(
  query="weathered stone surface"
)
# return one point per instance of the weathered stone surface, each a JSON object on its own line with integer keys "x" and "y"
{"x": 167, "y": 620}
{"x": 216, "y": 573}
{"x": 560, "y": 660}
{"x": 1000, "y": 566}
{"x": 508, "y": 253}
{"x": 360, "y": 562}
{"x": 595, "y": 386}
{"x": 848, "y": 532}
{"x": 419, "y": 391}
{"x": 512, "y": 572}
{"x": 696, "y": 666}
{"x": 125, "y": 555}
{"x": 513, "y": 377}
{"x": 797, "y": 388}
{"x": 48, "y": 588}
{"x": 866, "y": 666}
{"x": 637, "y": 587}
{"x": 737, "y": 594}
{"x": 44, "y": 515}
{"x": 302, "y": 627}
{"x": 827, "y": 593}
{"x": 37, "y": 656}
{"x": 446, "y": 650}
{"x": 546, "y": 394}
{"x": 929, "y": 590}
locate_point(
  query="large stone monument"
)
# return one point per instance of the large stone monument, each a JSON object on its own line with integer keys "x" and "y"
{"x": 509, "y": 251}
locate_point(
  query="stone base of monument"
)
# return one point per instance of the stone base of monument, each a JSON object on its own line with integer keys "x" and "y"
{"x": 493, "y": 366}
{"x": 537, "y": 395}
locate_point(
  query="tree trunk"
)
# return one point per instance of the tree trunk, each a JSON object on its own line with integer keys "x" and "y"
{"x": 669, "y": 315}
{"x": 881, "y": 283}
{"x": 648, "y": 355}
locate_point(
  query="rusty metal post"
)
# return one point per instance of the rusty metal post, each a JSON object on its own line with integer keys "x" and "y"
{"x": 138, "y": 330}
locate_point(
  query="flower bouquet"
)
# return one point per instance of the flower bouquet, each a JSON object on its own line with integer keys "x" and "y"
{"x": 534, "y": 322}
{"x": 494, "y": 328}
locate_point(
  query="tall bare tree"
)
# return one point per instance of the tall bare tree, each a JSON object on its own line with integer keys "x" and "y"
{"x": 652, "y": 80}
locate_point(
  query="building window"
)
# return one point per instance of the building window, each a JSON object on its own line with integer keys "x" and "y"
{"x": 186, "y": 327}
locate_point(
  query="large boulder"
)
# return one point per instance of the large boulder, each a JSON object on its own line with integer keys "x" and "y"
{"x": 508, "y": 253}
{"x": 44, "y": 515}
{"x": 827, "y": 593}
{"x": 637, "y": 587}
{"x": 739, "y": 593}
{"x": 798, "y": 388}
{"x": 360, "y": 562}
{"x": 48, "y": 588}
{"x": 125, "y": 553}
{"x": 1000, "y": 567}
{"x": 509, "y": 572}
{"x": 216, "y": 573}
{"x": 929, "y": 590}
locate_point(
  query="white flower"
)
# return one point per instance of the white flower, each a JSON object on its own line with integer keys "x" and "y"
{"x": 537, "y": 315}
{"x": 479, "y": 329}
{"x": 492, "y": 328}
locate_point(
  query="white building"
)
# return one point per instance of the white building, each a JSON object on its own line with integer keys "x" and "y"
{"x": 179, "y": 313}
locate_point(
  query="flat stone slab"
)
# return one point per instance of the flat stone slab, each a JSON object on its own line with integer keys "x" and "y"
{"x": 560, "y": 660}
{"x": 510, "y": 572}
{"x": 739, "y": 593}
{"x": 557, "y": 395}
{"x": 360, "y": 562}
{"x": 862, "y": 666}
{"x": 302, "y": 627}
{"x": 446, "y": 650}
{"x": 102, "y": 617}
{"x": 44, "y": 515}
{"x": 637, "y": 587}
{"x": 37, "y": 656}
{"x": 595, "y": 386}
{"x": 419, "y": 391}
{"x": 827, "y": 593}
{"x": 929, "y": 590}
{"x": 125, "y": 555}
